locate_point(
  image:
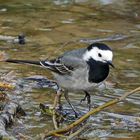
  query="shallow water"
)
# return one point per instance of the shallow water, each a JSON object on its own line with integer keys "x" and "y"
{"x": 54, "y": 26}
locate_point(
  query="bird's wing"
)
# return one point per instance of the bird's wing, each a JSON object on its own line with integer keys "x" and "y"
{"x": 56, "y": 66}
{"x": 66, "y": 63}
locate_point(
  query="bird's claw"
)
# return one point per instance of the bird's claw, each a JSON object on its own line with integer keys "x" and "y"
{"x": 76, "y": 114}
{"x": 87, "y": 98}
{"x": 82, "y": 100}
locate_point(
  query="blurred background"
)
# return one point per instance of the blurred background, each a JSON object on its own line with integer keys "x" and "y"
{"x": 52, "y": 27}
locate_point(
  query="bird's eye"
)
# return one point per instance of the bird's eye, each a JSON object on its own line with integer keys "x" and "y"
{"x": 99, "y": 55}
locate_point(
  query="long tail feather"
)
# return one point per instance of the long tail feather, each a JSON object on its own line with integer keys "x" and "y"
{"x": 51, "y": 65}
{"x": 46, "y": 64}
{"x": 31, "y": 62}
{"x": 23, "y": 61}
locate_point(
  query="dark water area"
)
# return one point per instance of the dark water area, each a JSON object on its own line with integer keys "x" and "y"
{"x": 52, "y": 27}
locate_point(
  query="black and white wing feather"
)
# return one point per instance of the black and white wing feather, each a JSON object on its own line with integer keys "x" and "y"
{"x": 56, "y": 66}
{"x": 66, "y": 63}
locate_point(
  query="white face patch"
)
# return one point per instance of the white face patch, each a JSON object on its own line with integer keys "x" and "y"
{"x": 98, "y": 55}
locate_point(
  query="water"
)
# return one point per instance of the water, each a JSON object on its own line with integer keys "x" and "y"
{"x": 54, "y": 26}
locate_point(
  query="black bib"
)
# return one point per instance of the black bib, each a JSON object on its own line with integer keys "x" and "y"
{"x": 98, "y": 71}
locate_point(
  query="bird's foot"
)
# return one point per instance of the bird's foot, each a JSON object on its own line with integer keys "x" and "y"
{"x": 82, "y": 100}
{"x": 76, "y": 114}
{"x": 87, "y": 98}
{"x": 95, "y": 105}
{"x": 88, "y": 103}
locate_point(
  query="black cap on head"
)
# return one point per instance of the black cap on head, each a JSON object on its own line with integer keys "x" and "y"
{"x": 101, "y": 46}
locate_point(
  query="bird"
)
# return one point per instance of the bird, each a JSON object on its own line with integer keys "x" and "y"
{"x": 81, "y": 69}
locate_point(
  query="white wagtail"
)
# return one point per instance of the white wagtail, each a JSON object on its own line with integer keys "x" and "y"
{"x": 78, "y": 70}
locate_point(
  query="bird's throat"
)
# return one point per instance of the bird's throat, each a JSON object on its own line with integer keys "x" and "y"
{"x": 98, "y": 71}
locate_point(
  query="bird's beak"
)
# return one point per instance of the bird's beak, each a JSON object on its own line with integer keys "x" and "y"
{"x": 110, "y": 63}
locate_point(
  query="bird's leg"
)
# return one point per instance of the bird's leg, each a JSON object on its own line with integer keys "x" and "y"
{"x": 68, "y": 100}
{"x": 88, "y": 100}
{"x": 87, "y": 97}
{"x": 82, "y": 100}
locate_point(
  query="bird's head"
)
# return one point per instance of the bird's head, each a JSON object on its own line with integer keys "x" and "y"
{"x": 99, "y": 52}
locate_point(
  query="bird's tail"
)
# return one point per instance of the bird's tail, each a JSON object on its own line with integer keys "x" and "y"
{"x": 4, "y": 58}
{"x": 46, "y": 64}
{"x": 23, "y": 62}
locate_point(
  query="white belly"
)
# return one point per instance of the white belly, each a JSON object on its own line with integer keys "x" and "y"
{"x": 77, "y": 81}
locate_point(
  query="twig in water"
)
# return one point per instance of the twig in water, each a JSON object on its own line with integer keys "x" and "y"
{"x": 93, "y": 111}
{"x": 54, "y": 120}
{"x": 78, "y": 131}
